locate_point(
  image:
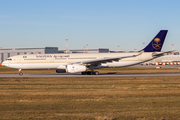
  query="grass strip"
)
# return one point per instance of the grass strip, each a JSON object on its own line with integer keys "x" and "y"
{"x": 90, "y": 98}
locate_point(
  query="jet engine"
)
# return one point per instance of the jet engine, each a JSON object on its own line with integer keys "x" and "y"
{"x": 75, "y": 68}
{"x": 60, "y": 71}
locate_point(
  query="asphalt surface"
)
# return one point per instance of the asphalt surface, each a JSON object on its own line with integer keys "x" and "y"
{"x": 100, "y": 75}
{"x": 103, "y": 75}
{"x": 158, "y": 66}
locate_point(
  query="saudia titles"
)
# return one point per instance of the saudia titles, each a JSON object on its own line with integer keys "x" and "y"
{"x": 156, "y": 44}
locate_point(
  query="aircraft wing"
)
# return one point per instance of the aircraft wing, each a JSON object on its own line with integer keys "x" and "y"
{"x": 105, "y": 60}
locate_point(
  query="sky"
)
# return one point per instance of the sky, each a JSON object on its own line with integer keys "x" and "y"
{"x": 98, "y": 23}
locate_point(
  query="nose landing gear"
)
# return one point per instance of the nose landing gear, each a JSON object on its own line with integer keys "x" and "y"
{"x": 20, "y": 72}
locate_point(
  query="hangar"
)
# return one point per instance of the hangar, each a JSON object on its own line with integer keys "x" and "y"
{"x": 8, "y": 52}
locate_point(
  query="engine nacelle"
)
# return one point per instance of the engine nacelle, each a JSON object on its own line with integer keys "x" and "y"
{"x": 75, "y": 68}
{"x": 60, "y": 71}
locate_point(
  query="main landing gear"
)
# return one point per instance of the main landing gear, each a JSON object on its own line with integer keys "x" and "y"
{"x": 20, "y": 72}
{"x": 90, "y": 73}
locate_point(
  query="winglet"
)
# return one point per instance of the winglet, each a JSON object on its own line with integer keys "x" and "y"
{"x": 157, "y": 42}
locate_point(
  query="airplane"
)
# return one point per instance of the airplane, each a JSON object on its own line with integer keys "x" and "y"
{"x": 86, "y": 63}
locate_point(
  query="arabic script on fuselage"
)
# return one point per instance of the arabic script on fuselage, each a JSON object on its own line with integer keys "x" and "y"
{"x": 52, "y": 56}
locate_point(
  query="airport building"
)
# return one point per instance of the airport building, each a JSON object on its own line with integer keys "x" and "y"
{"x": 99, "y": 50}
{"x": 8, "y": 52}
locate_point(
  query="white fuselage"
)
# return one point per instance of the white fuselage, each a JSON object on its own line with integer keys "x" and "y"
{"x": 59, "y": 61}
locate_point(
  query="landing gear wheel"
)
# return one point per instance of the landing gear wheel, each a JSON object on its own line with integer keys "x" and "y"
{"x": 89, "y": 73}
{"x": 84, "y": 73}
{"x": 96, "y": 73}
{"x": 20, "y": 73}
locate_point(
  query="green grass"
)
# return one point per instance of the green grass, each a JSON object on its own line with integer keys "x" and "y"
{"x": 90, "y": 98}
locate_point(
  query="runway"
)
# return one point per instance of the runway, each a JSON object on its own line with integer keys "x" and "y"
{"x": 100, "y": 75}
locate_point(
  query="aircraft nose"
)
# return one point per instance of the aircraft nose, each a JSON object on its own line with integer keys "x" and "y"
{"x": 3, "y": 63}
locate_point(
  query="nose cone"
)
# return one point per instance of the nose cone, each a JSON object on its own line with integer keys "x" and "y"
{"x": 3, "y": 63}
{"x": 0, "y": 64}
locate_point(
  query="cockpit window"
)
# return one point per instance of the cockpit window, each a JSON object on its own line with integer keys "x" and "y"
{"x": 9, "y": 59}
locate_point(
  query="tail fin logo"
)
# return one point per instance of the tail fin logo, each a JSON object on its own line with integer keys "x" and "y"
{"x": 156, "y": 44}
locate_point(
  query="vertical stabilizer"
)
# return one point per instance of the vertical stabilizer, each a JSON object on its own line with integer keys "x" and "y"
{"x": 156, "y": 44}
